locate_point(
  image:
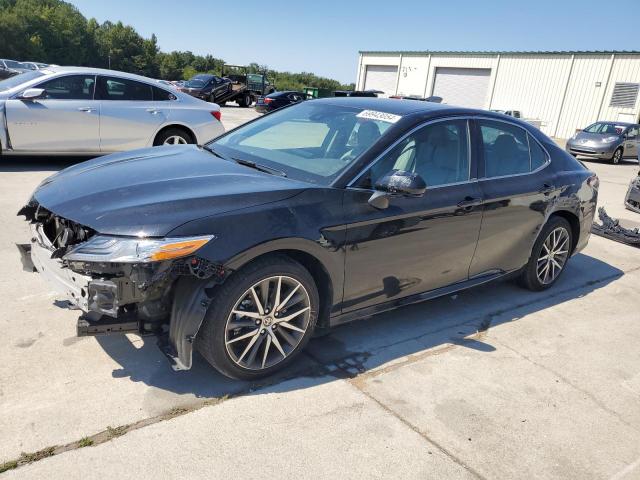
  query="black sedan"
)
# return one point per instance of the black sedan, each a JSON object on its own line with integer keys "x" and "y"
{"x": 315, "y": 215}
{"x": 209, "y": 88}
{"x": 277, "y": 100}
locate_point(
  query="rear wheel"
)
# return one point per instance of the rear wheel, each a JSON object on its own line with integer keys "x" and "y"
{"x": 617, "y": 156}
{"x": 260, "y": 319}
{"x": 245, "y": 100}
{"x": 549, "y": 255}
{"x": 173, "y": 136}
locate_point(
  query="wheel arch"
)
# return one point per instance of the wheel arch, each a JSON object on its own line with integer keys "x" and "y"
{"x": 574, "y": 222}
{"x": 179, "y": 126}
{"x": 310, "y": 255}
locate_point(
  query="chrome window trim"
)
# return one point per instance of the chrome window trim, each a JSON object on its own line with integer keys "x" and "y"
{"x": 467, "y": 118}
{"x": 63, "y": 75}
{"x": 546, "y": 152}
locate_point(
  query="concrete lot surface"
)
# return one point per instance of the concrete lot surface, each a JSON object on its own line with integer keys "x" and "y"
{"x": 495, "y": 382}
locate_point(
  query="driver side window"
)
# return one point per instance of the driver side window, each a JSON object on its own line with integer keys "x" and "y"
{"x": 70, "y": 87}
{"x": 438, "y": 152}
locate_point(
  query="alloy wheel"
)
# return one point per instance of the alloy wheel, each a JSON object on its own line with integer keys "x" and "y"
{"x": 175, "y": 140}
{"x": 617, "y": 156}
{"x": 267, "y": 323}
{"x": 553, "y": 255}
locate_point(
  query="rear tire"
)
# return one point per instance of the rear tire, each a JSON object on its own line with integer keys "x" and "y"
{"x": 245, "y": 101}
{"x": 173, "y": 136}
{"x": 549, "y": 256}
{"x": 249, "y": 347}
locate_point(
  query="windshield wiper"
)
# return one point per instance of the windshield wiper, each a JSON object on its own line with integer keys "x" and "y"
{"x": 247, "y": 163}
{"x": 259, "y": 167}
{"x": 211, "y": 150}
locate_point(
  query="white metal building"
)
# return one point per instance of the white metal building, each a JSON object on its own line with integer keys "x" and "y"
{"x": 562, "y": 91}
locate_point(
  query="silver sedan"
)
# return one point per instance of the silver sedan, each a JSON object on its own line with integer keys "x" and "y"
{"x": 88, "y": 111}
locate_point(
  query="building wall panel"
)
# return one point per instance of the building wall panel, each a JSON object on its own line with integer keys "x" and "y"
{"x": 585, "y": 92}
{"x": 626, "y": 68}
{"x": 534, "y": 85}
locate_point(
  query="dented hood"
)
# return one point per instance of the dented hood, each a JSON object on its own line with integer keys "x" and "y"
{"x": 152, "y": 191}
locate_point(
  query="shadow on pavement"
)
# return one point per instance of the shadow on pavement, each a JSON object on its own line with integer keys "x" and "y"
{"x": 363, "y": 345}
{"x": 38, "y": 164}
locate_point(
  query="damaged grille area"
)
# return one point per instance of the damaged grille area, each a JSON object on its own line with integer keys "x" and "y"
{"x": 62, "y": 233}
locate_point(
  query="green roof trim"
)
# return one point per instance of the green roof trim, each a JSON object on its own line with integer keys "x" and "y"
{"x": 499, "y": 52}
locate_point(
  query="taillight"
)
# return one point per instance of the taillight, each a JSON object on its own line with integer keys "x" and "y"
{"x": 268, "y": 100}
{"x": 593, "y": 181}
{"x": 217, "y": 114}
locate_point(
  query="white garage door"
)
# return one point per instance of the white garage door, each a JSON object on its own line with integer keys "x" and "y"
{"x": 466, "y": 87}
{"x": 381, "y": 77}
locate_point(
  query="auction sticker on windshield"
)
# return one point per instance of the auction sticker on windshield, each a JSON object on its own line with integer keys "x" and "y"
{"x": 382, "y": 116}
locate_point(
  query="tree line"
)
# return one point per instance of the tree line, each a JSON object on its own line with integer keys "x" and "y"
{"x": 54, "y": 31}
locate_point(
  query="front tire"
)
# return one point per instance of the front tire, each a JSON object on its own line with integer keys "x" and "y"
{"x": 549, "y": 255}
{"x": 260, "y": 319}
{"x": 617, "y": 156}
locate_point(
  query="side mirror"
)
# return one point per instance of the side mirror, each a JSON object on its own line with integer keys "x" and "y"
{"x": 32, "y": 94}
{"x": 397, "y": 182}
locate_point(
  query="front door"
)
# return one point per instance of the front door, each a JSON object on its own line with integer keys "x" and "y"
{"x": 416, "y": 244}
{"x": 129, "y": 115}
{"x": 65, "y": 119}
{"x": 631, "y": 142}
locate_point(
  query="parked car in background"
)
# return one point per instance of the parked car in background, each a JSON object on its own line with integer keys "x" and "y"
{"x": 277, "y": 100}
{"x": 10, "y": 68}
{"x": 314, "y": 215}
{"x": 607, "y": 141}
{"x": 87, "y": 111}
{"x": 207, "y": 87}
{"x": 510, "y": 113}
{"x": 632, "y": 198}
{"x": 34, "y": 65}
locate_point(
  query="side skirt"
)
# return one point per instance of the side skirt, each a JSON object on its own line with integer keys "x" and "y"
{"x": 417, "y": 298}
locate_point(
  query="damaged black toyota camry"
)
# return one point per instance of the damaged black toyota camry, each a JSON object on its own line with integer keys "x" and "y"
{"x": 311, "y": 216}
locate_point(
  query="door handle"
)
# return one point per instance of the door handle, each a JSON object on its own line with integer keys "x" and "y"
{"x": 86, "y": 109}
{"x": 469, "y": 202}
{"x": 547, "y": 189}
{"x": 153, "y": 111}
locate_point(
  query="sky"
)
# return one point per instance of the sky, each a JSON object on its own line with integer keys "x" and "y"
{"x": 324, "y": 37}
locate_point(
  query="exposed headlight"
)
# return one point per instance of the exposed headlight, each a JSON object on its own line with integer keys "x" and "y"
{"x": 609, "y": 139}
{"x": 103, "y": 248}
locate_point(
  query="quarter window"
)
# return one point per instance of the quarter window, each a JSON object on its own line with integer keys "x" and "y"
{"x": 71, "y": 87}
{"x": 438, "y": 152}
{"x": 160, "y": 94}
{"x": 110, "y": 88}
{"x": 538, "y": 155}
{"x": 505, "y": 149}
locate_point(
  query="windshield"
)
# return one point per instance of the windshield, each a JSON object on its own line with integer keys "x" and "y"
{"x": 17, "y": 80}
{"x": 28, "y": 66}
{"x": 13, "y": 64}
{"x": 605, "y": 128}
{"x": 310, "y": 141}
{"x": 196, "y": 82}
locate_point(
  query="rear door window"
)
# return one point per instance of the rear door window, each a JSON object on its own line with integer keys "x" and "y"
{"x": 113, "y": 88}
{"x": 160, "y": 94}
{"x": 505, "y": 149}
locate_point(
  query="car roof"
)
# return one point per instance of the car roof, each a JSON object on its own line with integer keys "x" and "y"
{"x": 97, "y": 71}
{"x": 404, "y": 107}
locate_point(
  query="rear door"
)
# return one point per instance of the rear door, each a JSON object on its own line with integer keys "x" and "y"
{"x": 66, "y": 119}
{"x": 130, "y": 117}
{"x": 517, "y": 184}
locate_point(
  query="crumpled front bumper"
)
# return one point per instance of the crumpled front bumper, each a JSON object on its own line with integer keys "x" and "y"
{"x": 73, "y": 286}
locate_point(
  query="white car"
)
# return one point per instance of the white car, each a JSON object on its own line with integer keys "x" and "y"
{"x": 89, "y": 111}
